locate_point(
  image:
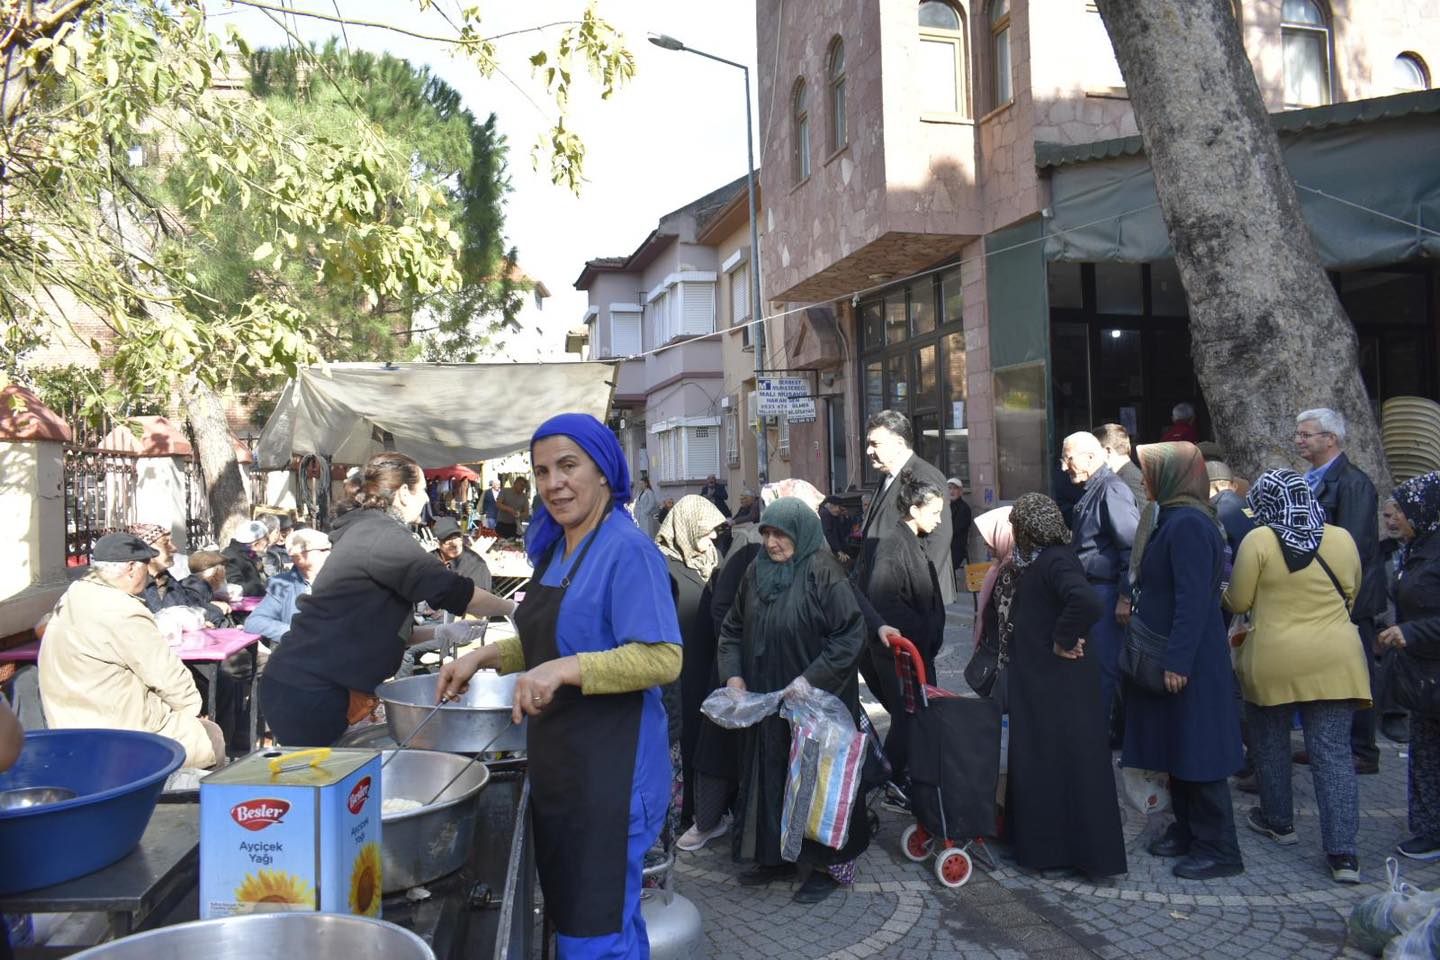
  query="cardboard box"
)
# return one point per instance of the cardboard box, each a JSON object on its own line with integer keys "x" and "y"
{"x": 292, "y": 832}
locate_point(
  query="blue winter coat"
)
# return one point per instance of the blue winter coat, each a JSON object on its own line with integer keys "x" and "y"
{"x": 1195, "y": 734}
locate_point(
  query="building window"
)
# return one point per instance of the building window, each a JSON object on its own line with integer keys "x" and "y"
{"x": 1001, "y": 91}
{"x": 784, "y": 447}
{"x": 1408, "y": 74}
{"x": 1306, "y": 36}
{"x": 624, "y": 332}
{"x": 686, "y": 452}
{"x": 839, "y": 136}
{"x": 942, "y": 59}
{"x": 732, "y": 438}
{"x": 800, "y": 161}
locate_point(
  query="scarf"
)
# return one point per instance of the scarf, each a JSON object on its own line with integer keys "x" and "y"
{"x": 1176, "y": 476}
{"x": 1419, "y": 499}
{"x": 1038, "y": 523}
{"x": 1284, "y": 502}
{"x": 794, "y": 518}
{"x": 995, "y": 530}
{"x": 690, "y": 519}
{"x": 600, "y": 444}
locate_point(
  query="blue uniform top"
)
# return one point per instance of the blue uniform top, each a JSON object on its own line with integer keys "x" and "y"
{"x": 621, "y": 595}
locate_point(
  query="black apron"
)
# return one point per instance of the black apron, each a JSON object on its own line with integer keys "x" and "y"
{"x": 582, "y": 764}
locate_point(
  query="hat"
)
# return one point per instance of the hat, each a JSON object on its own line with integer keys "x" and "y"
{"x": 202, "y": 560}
{"x": 1218, "y": 470}
{"x": 956, "y": 482}
{"x": 121, "y": 548}
{"x": 445, "y": 528}
{"x": 747, "y": 492}
{"x": 249, "y": 532}
{"x": 147, "y": 532}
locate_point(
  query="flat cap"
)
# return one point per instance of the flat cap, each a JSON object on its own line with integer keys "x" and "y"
{"x": 121, "y": 548}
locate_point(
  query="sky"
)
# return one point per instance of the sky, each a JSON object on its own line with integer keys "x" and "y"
{"x": 671, "y": 135}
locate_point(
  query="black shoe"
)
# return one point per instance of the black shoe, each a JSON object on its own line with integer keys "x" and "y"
{"x": 759, "y": 876}
{"x": 1396, "y": 728}
{"x": 1285, "y": 836}
{"x": 1247, "y": 784}
{"x": 1419, "y": 848}
{"x": 1344, "y": 868}
{"x": 816, "y": 887}
{"x": 1203, "y": 868}
{"x": 1168, "y": 844}
{"x": 1367, "y": 767}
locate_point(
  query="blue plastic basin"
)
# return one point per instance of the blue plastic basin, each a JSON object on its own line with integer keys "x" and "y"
{"x": 117, "y": 776}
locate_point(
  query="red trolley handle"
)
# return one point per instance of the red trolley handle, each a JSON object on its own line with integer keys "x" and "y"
{"x": 897, "y": 644}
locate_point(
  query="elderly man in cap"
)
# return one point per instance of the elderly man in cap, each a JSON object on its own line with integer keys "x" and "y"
{"x": 242, "y": 562}
{"x": 164, "y": 590}
{"x": 308, "y": 550}
{"x": 453, "y": 552}
{"x": 104, "y": 664}
{"x": 274, "y": 559}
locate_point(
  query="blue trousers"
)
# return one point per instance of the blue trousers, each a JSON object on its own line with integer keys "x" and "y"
{"x": 1103, "y": 643}
{"x": 630, "y": 941}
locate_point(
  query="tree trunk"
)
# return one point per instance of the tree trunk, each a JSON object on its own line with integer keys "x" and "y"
{"x": 1268, "y": 335}
{"x": 224, "y": 487}
{"x": 24, "y": 22}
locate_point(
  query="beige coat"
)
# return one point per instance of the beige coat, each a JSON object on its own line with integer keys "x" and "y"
{"x": 104, "y": 664}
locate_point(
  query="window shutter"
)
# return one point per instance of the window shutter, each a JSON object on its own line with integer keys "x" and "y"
{"x": 624, "y": 333}
{"x": 732, "y": 438}
{"x": 739, "y": 296}
{"x": 702, "y": 452}
{"x": 697, "y": 303}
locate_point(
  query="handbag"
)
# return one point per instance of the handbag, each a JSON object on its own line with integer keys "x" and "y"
{"x": 1406, "y": 681}
{"x": 1142, "y": 656}
{"x": 984, "y": 668}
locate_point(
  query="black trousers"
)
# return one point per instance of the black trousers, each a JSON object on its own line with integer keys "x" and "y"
{"x": 1362, "y": 723}
{"x": 1204, "y": 818}
{"x": 303, "y": 717}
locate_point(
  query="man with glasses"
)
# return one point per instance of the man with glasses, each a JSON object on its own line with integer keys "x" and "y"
{"x": 1349, "y": 500}
{"x": 308, "y": 550}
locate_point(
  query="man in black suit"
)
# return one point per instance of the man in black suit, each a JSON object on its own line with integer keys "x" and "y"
{"x": 1350, "y": 501}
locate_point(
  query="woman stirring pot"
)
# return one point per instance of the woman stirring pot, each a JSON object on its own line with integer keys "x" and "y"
{"x": 598, "y": 636}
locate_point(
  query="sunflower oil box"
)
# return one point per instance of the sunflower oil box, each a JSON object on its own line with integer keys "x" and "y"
{"x": 292, "y": 832}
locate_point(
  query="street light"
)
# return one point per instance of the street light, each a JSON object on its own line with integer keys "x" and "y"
{"x": 762, "y": 467}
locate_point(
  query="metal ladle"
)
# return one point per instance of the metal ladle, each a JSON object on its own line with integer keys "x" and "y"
{"x": 461, "y": 772}
{"x": 420, "y": 726}
{"x": 22, "y": 798}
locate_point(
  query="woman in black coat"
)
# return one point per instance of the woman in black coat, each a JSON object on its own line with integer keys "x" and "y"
{"x": 794, "y": 627}
{"x": 905, "y": 590}
{"x": 1060, "y": 807}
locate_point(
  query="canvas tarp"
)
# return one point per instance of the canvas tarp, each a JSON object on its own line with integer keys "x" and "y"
{"x": 439, "y": 414}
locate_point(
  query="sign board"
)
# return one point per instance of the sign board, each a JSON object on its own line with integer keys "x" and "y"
{"x": 800, "y": 410}
{"x": 773, "y": 394}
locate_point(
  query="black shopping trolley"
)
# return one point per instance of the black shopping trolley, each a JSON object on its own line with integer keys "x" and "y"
{"x": 954, "y": 770}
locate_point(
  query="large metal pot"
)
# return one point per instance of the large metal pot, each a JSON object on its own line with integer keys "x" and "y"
{"x": 421, "y": 845}
{"x": 480, "y": 720}
{"x": 314, "y": 936}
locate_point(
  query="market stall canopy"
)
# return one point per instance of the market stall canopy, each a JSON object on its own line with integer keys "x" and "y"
{"x": 439, "y": 414}
{"x": 457, "y": 472}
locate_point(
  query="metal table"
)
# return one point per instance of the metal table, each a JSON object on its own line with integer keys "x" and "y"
{"x": 160, "y": 872}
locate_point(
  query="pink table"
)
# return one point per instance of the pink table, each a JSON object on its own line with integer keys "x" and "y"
{"x": 246, "y": 604}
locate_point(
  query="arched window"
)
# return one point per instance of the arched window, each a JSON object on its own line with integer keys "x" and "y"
{"x": 942, "y": 58}
{"x": 839, "y": 136}
{"x": 800, "y": 147}
{"x": 1001, "y": 91}
{"x": 1306, "y": 35}
{"x": 1408, "y": 74}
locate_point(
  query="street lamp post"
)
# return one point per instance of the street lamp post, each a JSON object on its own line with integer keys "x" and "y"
{"x": 762, "y": 467}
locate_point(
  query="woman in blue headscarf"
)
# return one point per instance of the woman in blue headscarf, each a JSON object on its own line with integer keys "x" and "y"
{"x": 598, "y": 637}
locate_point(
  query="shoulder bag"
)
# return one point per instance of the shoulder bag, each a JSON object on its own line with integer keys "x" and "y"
{"x": 1408, "y": 682}
{"x": 1142, "y": 657}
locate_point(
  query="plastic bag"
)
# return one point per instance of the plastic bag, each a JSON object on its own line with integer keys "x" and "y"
{"x": 1420, "y": 942}
{"x": 823, "y": 778}
{"x": 175, "y": 622}
{"x": 1147, "y": 790}
{"x": 1377, "y": 919}
{"x": 735, "y": 709}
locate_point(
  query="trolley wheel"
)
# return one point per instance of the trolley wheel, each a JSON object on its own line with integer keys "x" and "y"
{"x": 915, "y": 843}
{"x": 953, "y": 867}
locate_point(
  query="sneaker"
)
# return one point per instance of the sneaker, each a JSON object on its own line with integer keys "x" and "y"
{"x": 1344, "y": 868}
{"x": 1419, "y": 848}
{"x": 895, "y": 801}
{"x": 695, "y": 838}
{"x": 1284, "y": 836}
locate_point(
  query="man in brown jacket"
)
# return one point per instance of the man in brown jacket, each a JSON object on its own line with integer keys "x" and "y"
{"x": 104, "y": 664}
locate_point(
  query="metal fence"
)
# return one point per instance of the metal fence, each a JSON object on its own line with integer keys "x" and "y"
{"x": 99, "y": 493}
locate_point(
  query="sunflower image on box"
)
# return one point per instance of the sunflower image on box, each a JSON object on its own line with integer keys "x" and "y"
{"x": 292, "y": 832}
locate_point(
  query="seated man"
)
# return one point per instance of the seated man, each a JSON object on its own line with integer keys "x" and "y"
{"x": 104, "y": 664}
{"x": 163, "y": 590}
{"x": 308, "y": 551}
{"x": 451, "y": 549}
{"x": 242, "y": 558}
{"x": 273, "y": 559}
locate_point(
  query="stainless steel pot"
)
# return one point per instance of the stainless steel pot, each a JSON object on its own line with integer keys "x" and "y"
{"x": 421, "y": 845}
{"x": 467, "y": 725}
{"x": 313, "y": 936}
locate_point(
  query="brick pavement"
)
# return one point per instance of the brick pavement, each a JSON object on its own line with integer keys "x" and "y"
{"x": 1283, "y": 906}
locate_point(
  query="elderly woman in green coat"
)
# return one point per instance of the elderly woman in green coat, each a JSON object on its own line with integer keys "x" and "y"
{"x": 795, "y": 626}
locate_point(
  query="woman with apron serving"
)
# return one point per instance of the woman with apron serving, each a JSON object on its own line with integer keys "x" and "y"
{"x": 598, "y": 636}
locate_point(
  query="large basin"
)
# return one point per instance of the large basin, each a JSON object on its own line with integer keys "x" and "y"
{"x": 478, "y": 721}
{"x": 117, "y": 776}
{"x": 311, "y": 936}
{"x": 421, "y": 845}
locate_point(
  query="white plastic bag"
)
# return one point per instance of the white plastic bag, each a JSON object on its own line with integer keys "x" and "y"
{"x": 175, "y": 622}
{"x": 1147, "y": 790}
{"x": 1420, "y": 942}
{"x": 1379, "y": 918}
{"x": 735, "y": 709}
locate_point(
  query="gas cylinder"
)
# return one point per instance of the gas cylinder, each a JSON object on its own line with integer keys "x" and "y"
{"x": 672, "y": 922}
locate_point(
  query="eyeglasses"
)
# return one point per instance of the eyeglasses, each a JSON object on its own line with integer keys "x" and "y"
{"x": 1302, "y": 435}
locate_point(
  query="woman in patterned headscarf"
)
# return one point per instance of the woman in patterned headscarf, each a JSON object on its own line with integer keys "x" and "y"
{"x": 1060, "y": 806}
{"x": 1191, "y": 730}
{"x": 1416, "y": 634}
{"x": 1297, "y": 577}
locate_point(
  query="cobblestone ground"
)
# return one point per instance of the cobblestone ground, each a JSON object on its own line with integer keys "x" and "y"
{"x": 1283, "y": 906}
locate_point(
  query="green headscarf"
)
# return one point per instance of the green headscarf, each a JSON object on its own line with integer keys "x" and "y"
{"x": 1176, "y": 476}
{"x": 794, "y": 518}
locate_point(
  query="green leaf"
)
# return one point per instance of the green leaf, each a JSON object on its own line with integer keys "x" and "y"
{"x": 263, "y": 251}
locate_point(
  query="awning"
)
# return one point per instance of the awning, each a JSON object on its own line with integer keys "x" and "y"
{"x": 457, "y": 472}
{"x": 440, "y": 414}
{"x": 1364, "y": 173}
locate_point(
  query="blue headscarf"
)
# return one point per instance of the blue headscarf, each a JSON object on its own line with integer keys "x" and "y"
{"x": 599, "y": 442}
